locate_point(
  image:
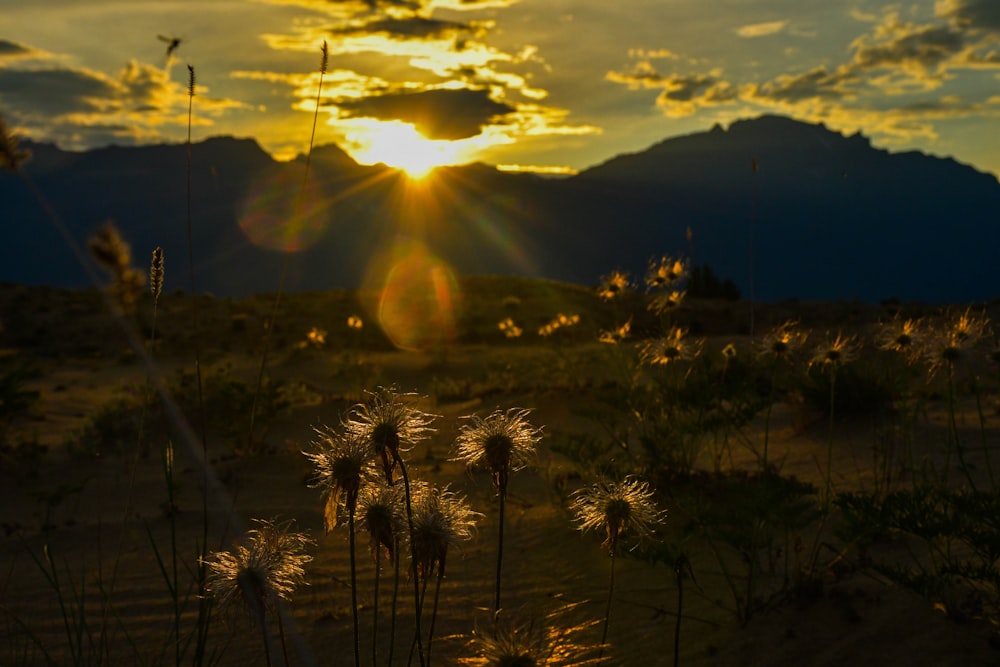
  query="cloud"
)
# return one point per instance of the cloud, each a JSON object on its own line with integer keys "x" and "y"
{"x": 818, "y": 83}
{"x": 976, "y": 15}
{"x": 405, "y": 28}
{"x": 436, "y": 114}
{"x": 761, "y": 29}
{"x": 915, "y": 48}
{"x": 9, "y": 49}
{"x": 55, "y": 91}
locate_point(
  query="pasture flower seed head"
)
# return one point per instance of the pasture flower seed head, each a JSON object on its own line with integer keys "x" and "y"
{"x": 12, "y": 156}
{"x": 268, "y": 566}
{"x": 783, "y": 341}
{"x": 954, "y": 340}
{"x": 613, "y": 285}
{"x": 901, "y": 336}
{"x": 667, "y": 301}
{"x": 503, "y": 442}
{"x": 381, "y": 515}
{"x": 529, "y": 642}
{"x": 836, "y": 351}
{"x": 673, "y": 347}
{"x": 617, "y": 508}
{"x": 616, "y": 336}
{"x": 729, "y": 352}
{"x": 355, "y": 322}
{"x": 388, "y": 423}
{"x": 342, "y": 462}
{"x": 441, "y": 519}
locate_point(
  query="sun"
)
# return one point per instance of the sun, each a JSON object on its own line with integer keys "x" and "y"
{"x": 400, "y": 146}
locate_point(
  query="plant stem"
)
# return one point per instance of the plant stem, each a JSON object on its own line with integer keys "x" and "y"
{"x": 354, "y": 586}
{"x": 395, "y": 598}
{"x": 378, "y": 571}
{"x": 607, "y": 609}
{"x": 829, "y": 440}
{"x": 413, "y": 553}
{"x": 496, "y": 599}
{"x": 434, "y": 610}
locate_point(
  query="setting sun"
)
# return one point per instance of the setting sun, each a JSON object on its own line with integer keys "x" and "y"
{"x": 399, "y": 145}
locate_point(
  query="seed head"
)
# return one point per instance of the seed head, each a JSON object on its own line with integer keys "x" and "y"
{"x": 519, "y": 641}
{"x": 618, "y": 508}
{"x": 836, "y": 351}
{"x": 267, "y": 567}
{"x": 665, "y": 272}
{"x": 381, "y": 515}
{"x": 324, "y": 59}
{"x": 783, "y": 341}
{"x": 673, "y": 347}
{"x": 343, "y": 461}
{"x": 951, "y": 342}
{"x": 388, "y": 423}
{"x": 191, "y": 83}
{"x": 616, "y": 336}
{"x": 902, "y": 336}
{"x": 441, "y": 519}
{"x": 503, "y": 442}
{"x": 12, "y": 156}
{"x": 156, "y": 273}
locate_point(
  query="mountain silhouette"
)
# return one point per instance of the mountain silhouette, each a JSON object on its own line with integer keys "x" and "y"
{"x": 782, "y": 207}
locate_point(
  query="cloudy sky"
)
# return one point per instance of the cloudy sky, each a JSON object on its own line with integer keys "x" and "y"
{"x": 553, "y": 84}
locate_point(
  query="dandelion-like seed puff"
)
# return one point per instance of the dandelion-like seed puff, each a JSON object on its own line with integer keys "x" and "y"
{"x": 782, "y": 341}
{"x": 951, "y": 342}
{"x": 268, "y": 567}
{"x": 671, "y": 348}
{"x": 342, "y": 462}
{"x": 441, "y": 519}
{"x": 836, "y": 351}
{"x": 514, "y": 641}
{"x": 388, "y": 423}
{"x": 902, "y": 336}
{"x": 381, "y": 514}
{"x": 665, "y": 272}
{"x": 613, "y": 285}
{"x": 617, "y": 508}
{"x": 503, "y": 442}
{"x": 616, "y": 336}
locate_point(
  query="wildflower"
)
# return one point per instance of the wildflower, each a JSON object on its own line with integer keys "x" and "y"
{"x": 388, "y": 423}
{"x": 665, "y": 272}
{"x": 316, "y": 337}
{"x": 517, "y": 642}
{"x": 671, "y": 348}
{"x": 618, "y": 508}
{"x": 441, "y": 519}
{"x": 503, "y": 442}
{"x": 836, "y": 351}
{"x": 616, "y": 336}
{"x": 268, "y": 566}
{"x": 613, "y": 285}
{"x": 380, "y": 511}
{"x": 782, "y": 341}
{"x": 509, "y": 329}
{"x": 355, "y": 322}
{"x": 342, "y": 462}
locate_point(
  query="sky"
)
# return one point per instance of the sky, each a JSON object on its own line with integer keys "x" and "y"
{"x": 544, "y": 85}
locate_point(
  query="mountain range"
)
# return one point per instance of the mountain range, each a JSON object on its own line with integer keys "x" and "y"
{"x": 786, "y": 209}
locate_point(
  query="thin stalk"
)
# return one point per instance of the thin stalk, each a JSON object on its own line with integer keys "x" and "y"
{"x": 679, "y": 569}
{"x": 354, "y": 586}
{"x": 496, "y": 599}
{"x": 378, "y": 571}
{"x": 413, "y": 553}
{"x": 395, "y": 599}
{"x": 953, "y": 439}
{"x": 829, "y": 439}
{"x": 434, "y": 610}
{"x": 767, "y": 415}
{"x": 607, "y": 609}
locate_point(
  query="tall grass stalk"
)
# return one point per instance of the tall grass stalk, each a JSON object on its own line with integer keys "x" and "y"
{"x": 269, "y": 325}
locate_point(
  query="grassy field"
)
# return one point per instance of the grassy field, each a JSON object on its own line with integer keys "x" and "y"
{"x": 814, "y": 499}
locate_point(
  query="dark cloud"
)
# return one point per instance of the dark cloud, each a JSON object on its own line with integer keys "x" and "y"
{"x": 9, "y": 48}
{"x": 412, "y": 27}
{"x": 817, "y": 83}
{"x": 687, "y": 88}
{"x": 437, "y": 114}
{"x": 924, "y": 47}
{"x": 972, "y": 14}
{"x": 54, "y": 91}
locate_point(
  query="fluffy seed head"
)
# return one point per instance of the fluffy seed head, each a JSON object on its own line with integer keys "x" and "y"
{"x": 267, "y": 567}
{"x": 156, "y": 273}
{"x": 671, "y": 348}
{"x": 381, "y": 514}
{"x": 613, "y": 285}
{"x": 951, "y": 342}
{"x": 388, "y": 423}
{"x": 503, "y": 442}
{"x": 12, "y": 156}
{"x": 665, "y": 272}
{"x": 836, "y": 351}
{"x": 518, "y": 641}
{"x": 619, "y": 508}
{"x": 441, "y": 519}
{"x": 191, "y": 84}
{"x": 342, "y": 461}
{"x": 901, "y": 336}
{"x": 783, "y": 341}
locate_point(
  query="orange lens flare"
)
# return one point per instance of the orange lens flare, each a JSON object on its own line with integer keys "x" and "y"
{"x": 418, "y": 300}
{"x": 279, "y": 214}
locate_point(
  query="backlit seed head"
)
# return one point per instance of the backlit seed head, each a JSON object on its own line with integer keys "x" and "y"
{"x": 388, "y": 422}
{"x": 617, "y": 509}
{"x": 503, "y": 442}
{"x": 342, "y": 462}
{"x": 613, "y": 285}
{"x": 783, "y": 341}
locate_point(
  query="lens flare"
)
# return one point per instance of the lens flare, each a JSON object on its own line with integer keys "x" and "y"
{"x": 279, "y": 214}
{"x": 418, "y": 298}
